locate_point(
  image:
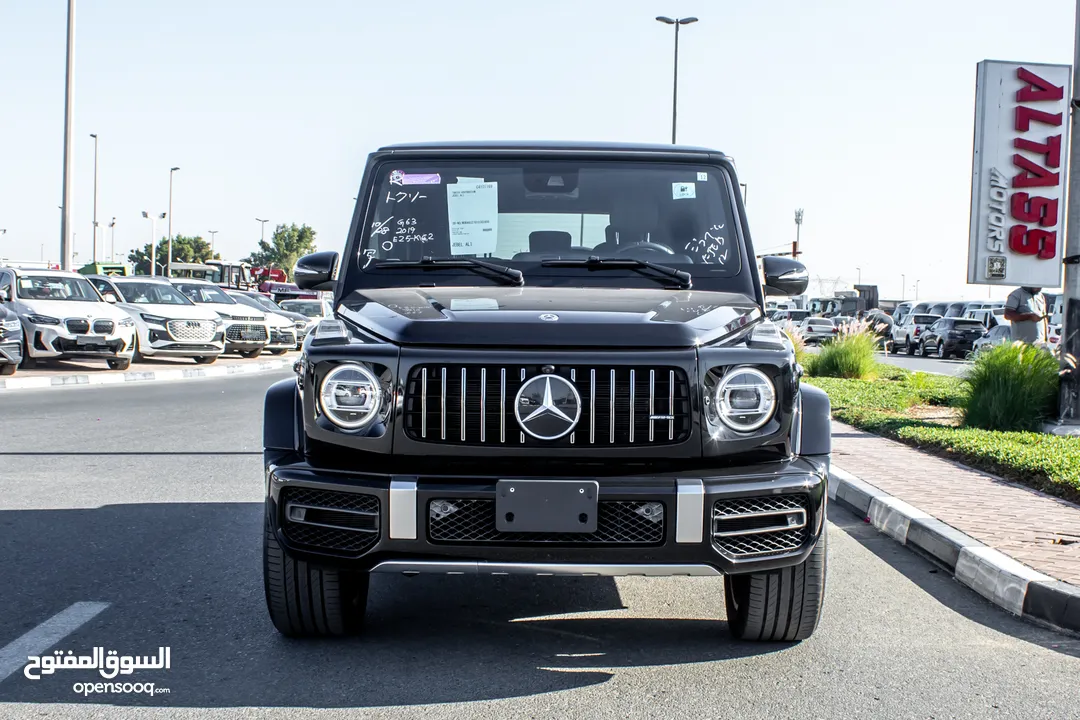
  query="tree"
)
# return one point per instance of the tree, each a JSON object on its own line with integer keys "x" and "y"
{"x": 288, "y": 244}
{"x": 184, "y": 249}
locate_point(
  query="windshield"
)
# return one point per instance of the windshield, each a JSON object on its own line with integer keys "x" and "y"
{"x": 247, "y": 300}
{"x": 305, "y": 307}
{"x": 521, "y": 213}
{"x": 57, "y": 287}
{"x": 151, "y": 293}
{"x": 265, "y": 303}
{"x": 924, "y": 319}
{"x": 202, "y": 294}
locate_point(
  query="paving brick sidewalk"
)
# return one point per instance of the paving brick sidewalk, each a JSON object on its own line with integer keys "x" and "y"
{"x": 1020, "y": 522}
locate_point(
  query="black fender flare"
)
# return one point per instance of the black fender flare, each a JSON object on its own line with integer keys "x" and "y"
{"x": 283, "y": 428}
{"x": 815, "y": 422}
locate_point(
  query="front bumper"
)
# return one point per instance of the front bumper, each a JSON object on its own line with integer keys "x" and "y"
{"x": 157, "y": 341}
{"x": 55, "y": 341}
{"x": 282, "y": 339}
{"x": 10, "y": 353}
{"x": 390, "y": 523}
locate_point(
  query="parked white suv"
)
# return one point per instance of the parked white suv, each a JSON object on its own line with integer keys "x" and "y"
{"x": 905, "y": 335}
{"x": 64, "y": 317}
{"x": 246, "y": 329}
{"x": 282, "y": 329}
{"x": 167, "y": 322}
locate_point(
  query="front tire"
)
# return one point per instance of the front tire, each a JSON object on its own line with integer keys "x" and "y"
{"x": 309, "y": 601}
{"x": 206, "y": 359}
{"x": 909, "y": 348}
{"x": 778, "y": 606}
{"x": 119, "y": 363}
{"x": 279, "y": 351}
{"x": 7, "y": 369}
{"x": 942, "y": 355}
{"x": 28, "y": 363}
{"x": 250, "y": 353}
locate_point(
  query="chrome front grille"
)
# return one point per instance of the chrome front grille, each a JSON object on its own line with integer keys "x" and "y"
{"x": 191, "y": 330}
{"x": 246, "y": 333}
{"x": 78, "y": 326}
{"x": 104, "y": 327}
{"x": 757, "y": 526}
{"x": 282, "y": 337}
{"x": 621, "y": 406}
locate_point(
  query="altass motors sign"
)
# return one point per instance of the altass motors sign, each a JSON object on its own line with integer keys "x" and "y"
{"x": 1018, "y": 180}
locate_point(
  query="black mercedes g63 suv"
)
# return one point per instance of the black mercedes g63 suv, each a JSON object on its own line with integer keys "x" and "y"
{"x": 549, "y": 359}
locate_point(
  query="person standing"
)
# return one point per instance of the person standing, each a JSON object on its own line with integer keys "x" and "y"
{"x": 1025, "y": 309}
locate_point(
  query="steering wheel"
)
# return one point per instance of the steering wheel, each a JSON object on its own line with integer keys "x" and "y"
{"x": 646, "y": 245}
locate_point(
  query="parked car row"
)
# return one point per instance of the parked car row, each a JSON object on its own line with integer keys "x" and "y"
{"x": 54, "y": 315}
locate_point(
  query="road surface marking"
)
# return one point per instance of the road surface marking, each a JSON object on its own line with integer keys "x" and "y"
{"x": 13, "y": 656}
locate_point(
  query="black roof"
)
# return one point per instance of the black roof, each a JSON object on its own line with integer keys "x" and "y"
{"x": 551, "y": 146}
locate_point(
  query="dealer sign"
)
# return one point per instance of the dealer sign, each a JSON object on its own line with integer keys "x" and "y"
{"x": 1018, "y": 179}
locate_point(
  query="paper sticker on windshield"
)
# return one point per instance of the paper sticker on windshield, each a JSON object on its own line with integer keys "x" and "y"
{"x": 680, "y": 191}
{"x": 398, "y": 177}
{"x": 474, "y": 304}
{"x": 472, "y": 210}
{"x": 703, "y": 177}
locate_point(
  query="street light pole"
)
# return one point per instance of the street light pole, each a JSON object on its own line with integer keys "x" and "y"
{"x": 798, "y": 227}
{"x": 1069, "y": 397}
{"x": 917, "y": 290}
{"x": 66, "y": 239}
{"x": 153, "y": 240}
{"x": 859, "y": 269}
{"x": 263, "y": 228}
{"x": 112, "y": 248}
{"x": 94, "y": 245}
{"x": 675, "y": 84}
{"x": 213, "y": 235}
{"x": 168, "y": 257}
{"x": 903, "y": 287}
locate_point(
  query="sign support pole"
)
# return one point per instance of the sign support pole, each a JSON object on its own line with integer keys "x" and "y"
{"x": 1069, "y": 400}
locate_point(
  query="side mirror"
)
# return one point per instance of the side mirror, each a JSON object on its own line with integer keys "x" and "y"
{"x": 5, "y": 295}
{"x": 110, "y": 298}
{"x": 316, "y": 271}
{"x": 784, "y": 276}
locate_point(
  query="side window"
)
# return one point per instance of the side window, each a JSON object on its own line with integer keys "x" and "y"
{"x": 5, "y": 282}
{"x": 102, "y": 286}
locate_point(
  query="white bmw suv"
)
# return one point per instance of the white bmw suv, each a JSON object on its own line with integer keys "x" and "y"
{"x": 168, "y": 323}
{"x": 64, "y": 317}
{"x": 246, "y": 329}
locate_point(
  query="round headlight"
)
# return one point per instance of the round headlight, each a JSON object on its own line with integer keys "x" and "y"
{"x": 350, "y": 396}
{"x": 745, "y": 399}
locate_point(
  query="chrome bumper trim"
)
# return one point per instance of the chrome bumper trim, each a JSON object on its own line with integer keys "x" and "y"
{"x": 453, "y": 567}
{"x": 402, "y": 510}
{"x": 690, "y": 511}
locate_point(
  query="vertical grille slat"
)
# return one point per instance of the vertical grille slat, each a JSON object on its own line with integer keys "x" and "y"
{"x": 470, "y": 411}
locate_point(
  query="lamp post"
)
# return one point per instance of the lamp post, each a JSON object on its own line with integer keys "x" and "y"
{"x": 213, "y": 234}
{"x": 859, "y": 270}
{"x": 917, "y": 290}
{"x": 112, "y": 248}
{"x": 675, "y": 85}
{"x": 798, "y": 227}
{"x": 903, "y": 286}
{"x": 94, "y": 245}
{"x": 67, "y": 239}
{"x": 153, "y": 240}
{"x": 168, "y": 257}
{"x": 263, "y": 227}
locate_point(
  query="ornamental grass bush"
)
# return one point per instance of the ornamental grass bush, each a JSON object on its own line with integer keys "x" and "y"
{"x": 850, "y": 355}
{"x": 797, "y": 340}
{"x": 1011, "y": 387}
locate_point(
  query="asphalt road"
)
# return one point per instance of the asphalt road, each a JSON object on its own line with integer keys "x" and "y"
{"x": 918, "y": 363}
{"x": 148, "y": 499}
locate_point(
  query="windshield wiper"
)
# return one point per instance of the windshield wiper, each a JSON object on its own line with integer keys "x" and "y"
{"x": 659, "y": 272}
{"x": 500, "y": 273}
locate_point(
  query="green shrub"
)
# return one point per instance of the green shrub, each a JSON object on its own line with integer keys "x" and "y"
{"x": 1011, "y": 387}
{"x": 798, "y": 341}
{"x": 850, "y": 355}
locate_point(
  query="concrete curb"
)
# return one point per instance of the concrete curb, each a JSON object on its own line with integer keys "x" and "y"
{"x": 997, "y": 577}
{"x": 141, "y": 376}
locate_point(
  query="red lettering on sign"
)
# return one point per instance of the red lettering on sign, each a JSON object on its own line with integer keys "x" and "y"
{"x": 1051, "y": 149}
{"x": 1024, "y": 116}
{"x": 1032, "y": 175}
{"x": 1041, "y": 210}
{"x": 1033, "y": 242}
{"x": 1036, "y": 89}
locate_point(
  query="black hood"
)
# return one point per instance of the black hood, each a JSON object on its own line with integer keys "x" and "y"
{"x": 548, "y": 317}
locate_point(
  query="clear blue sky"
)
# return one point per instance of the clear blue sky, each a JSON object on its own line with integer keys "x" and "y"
{"x": 858, "y": 111}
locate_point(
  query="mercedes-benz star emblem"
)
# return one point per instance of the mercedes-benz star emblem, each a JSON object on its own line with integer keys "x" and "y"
{"x": 547, "y": 407}
{"x": 549, "y": 317}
